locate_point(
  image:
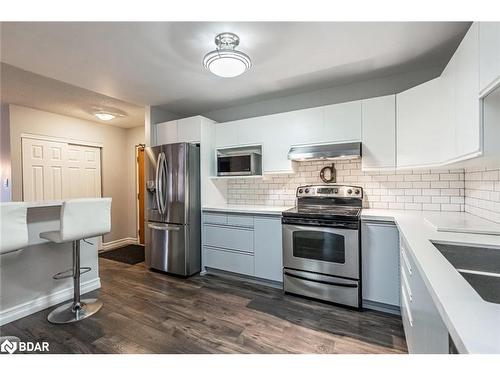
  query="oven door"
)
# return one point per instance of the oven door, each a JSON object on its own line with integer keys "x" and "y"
{"x": 325, "y": 250}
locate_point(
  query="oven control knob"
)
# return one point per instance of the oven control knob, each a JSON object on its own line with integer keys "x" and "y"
{"x": 349, "y": 191}
{"x": 356, "y": 191}
{"x": 300, "y": 191}
{"x": 307, "y": 191}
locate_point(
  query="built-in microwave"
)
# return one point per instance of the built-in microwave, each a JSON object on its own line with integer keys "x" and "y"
{"x": 238, "y": 163}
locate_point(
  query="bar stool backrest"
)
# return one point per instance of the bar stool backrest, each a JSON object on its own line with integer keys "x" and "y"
{"x": 14, "y": 228}
{"x": 85, "y": 218}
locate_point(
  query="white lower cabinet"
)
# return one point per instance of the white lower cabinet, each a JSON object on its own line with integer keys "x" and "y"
{"x": 424, "y": 329}
{"x": 268, "y": 248}
{"x": 244, "y": 244}
{"x": 380, "y": 264}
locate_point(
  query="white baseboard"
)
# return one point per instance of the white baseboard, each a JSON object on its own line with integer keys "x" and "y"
{"x": 41, "y": 303}
{"x": 118, "y": 243}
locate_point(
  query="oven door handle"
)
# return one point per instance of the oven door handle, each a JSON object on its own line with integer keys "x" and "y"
{"x": 322, "y": 281}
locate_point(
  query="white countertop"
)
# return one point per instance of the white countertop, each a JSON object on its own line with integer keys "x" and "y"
{"x": 473, "y": 323}
{"x": 38, "y": 204}
{"x": 246, "y": 209}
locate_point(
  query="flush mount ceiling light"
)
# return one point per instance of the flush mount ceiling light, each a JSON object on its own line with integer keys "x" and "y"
{"x": 225, "y": 61}
{"x": 104, "y": 116}
{"x": 106, "y": 113}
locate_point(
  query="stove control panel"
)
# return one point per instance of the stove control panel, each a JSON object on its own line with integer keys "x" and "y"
{"x": 330, "y": 191}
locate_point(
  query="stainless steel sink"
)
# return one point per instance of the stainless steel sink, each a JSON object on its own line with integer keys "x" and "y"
{"x": 479, "y": 266}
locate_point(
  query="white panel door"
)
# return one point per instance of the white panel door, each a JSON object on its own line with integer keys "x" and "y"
{"x": 342, "y": 122}
{"x": 226, "y": 134}
{"x": 379, "y": 132}
{"x": 44, "y": 170}
{"x": 268, "y": 253}
{"x": 57, "y": 170}
{"x": 84, "y": 169}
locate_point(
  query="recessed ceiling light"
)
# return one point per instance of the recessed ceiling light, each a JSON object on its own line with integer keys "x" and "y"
{"x": 104, "y": 116}
{"x": 225, "y": 61}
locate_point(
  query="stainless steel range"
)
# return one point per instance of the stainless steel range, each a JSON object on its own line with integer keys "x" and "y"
{"x": 321, "y": 244}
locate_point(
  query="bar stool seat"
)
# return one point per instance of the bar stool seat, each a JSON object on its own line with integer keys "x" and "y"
{"x": 80, "y": 219}
{"x": 13, "y": 226}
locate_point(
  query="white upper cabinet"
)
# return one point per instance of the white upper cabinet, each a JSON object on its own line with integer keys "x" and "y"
{"x": 166, "y": 132}
{"x": 301, "y": 127}
{"x": 250, "y": 131}
{"x": 189, "y": 129}
{"x": 276, "y": 143}
{"x": 467, "y": 118}
{"x": 419, "y": 125}
{"x": 489, "y": 52}
{"x": 226, "y": 134}
{"x": 342, "y": 122}
{"x": 379, "y": 132}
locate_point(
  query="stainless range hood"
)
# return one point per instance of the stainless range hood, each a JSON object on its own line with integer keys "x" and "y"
{"x": 334, "y": 151}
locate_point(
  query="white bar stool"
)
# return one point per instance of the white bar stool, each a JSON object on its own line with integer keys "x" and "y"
{"x": 13, "y": 226}
{"x": 80, "y": 219}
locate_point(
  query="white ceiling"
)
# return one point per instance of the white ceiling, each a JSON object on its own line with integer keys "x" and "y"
{"x": 160, "y": 63}
{"x": 35, "y": 91}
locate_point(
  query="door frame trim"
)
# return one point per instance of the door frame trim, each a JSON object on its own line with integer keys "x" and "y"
{"x": 42, "y": 137}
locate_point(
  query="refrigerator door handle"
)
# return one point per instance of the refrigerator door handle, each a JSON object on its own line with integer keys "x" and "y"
{"x": 165, "y": 174}
{"x": 164, "y": 227}
{"x": 157, "y": 182}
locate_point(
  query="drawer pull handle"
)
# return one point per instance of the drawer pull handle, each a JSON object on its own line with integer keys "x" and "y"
{"x": 405, "y": 260}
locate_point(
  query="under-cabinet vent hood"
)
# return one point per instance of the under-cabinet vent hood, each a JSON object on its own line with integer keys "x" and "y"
{"x": 332, "y": 151}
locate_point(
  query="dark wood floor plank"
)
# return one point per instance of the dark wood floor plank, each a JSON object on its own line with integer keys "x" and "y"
{"x": 150, "y": 312}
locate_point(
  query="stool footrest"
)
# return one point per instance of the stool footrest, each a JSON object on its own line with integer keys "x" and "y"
{"x": 69, "y": 273}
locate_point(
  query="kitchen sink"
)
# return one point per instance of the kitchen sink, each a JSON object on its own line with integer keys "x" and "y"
{"x": 479, "y": 266}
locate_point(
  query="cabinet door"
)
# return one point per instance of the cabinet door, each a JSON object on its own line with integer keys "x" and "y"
{"x": 419, "y": 122}
{"x": 166, "y": 132}
{"x": 250, "y": 131}
{"x": 467, "y": 103}
{"x": 380, "y": 262}
{"x": 276, "y": 144}
{"x": 379, "y": 132}
{"x": 301, "y": 127}
{"x": 225, "y": 134}
{"x": 342, "y": 122}
{"x": 489, "y": 55}
{"x": 268, "y": 249}
{"x": 189, "y": 130}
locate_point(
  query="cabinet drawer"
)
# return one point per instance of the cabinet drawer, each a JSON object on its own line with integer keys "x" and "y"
{"x": 406, "y": 311}
{"x": 228, "y": 260}
{"x": 405, "y": 284}
{"x": 215, "y": 218}
{"x": 405, "y": 259}
{"x": 240, "y": 221}
{"x": 229, "y": 238}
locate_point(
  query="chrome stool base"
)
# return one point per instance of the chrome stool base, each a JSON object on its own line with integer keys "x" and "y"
{"x": 65, "y": 313}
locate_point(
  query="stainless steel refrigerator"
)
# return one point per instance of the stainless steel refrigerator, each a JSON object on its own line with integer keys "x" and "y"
{"x": 173, "y": 228}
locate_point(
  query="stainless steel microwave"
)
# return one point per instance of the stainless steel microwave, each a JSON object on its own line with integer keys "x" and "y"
{"x": 238, "y": 164}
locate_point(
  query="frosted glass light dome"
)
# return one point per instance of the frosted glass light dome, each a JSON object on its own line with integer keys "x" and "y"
{"x": 225, "y": 61}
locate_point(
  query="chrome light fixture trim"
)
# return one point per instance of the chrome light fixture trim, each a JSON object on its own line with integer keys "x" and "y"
{"x": 225, "y": 61}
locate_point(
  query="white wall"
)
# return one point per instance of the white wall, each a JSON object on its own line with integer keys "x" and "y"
{"x": 117, "y": 158}
{"x": 5, "y": 191}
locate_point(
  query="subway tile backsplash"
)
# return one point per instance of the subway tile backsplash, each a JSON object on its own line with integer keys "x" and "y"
{"x": 482, "y": 192}
{"x": 436, "y": 190}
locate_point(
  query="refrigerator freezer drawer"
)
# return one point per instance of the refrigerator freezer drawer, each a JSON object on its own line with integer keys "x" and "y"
{"x": 166, "y": 248}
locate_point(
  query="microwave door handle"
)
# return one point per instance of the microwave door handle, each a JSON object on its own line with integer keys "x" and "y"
{"x": 157, "y": 182}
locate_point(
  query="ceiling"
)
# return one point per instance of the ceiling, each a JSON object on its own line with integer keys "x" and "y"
{"x": 35, "y": 91}
{"x": 160, "y": 63}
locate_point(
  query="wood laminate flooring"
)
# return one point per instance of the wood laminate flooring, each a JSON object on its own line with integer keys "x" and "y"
{"x": 150, "y": 312}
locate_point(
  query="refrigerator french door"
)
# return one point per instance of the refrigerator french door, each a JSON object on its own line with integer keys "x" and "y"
{"x": 173, "y": 228}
